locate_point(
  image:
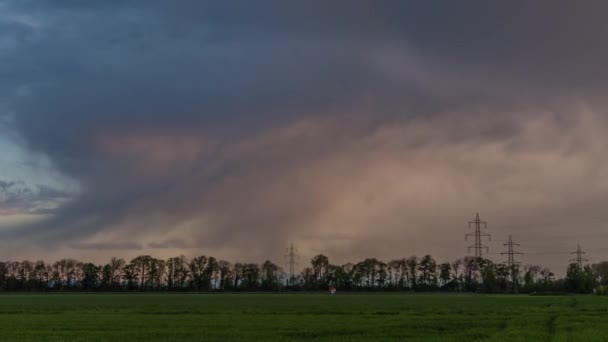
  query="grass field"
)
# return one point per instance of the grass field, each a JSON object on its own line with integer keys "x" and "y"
{"x": 342, "y": 317}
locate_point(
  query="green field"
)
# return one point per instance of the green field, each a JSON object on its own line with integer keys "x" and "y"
{"x": 342, "y": 317}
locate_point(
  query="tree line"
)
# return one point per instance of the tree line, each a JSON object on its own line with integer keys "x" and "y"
{"x": 202, "y": 273}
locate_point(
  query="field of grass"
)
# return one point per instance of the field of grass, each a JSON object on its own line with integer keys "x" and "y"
{"x": 270, "y": 317}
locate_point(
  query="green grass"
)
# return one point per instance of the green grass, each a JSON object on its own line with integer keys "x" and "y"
{"x": 269, "y": 317}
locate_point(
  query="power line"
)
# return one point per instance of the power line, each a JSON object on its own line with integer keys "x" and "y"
{"x": 547, "y": 253}
{"x": 478, "y": 247}
{"x": 579, "y": 256}
{"x": 590, "y": 235}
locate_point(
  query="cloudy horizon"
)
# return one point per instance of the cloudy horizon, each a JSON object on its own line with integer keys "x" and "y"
{"x": 349, "y": 128}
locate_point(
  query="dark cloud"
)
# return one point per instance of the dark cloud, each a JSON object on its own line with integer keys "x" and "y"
{"x": 16, "y": 197}
{"x": 213, "y": 124}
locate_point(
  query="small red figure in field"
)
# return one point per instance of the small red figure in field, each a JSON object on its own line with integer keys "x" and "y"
{"x": 332, "y": 290}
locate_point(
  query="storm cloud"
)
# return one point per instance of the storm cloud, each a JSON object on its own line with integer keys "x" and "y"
{"x": 352, "y": 128}
{"x": 17, "y": 198}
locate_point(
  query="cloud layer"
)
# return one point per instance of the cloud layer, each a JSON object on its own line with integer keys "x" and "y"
{"x": 350, "y": 128}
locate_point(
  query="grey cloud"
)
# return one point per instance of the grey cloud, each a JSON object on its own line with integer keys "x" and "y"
{"x": 16, "y": 197}
{"x": 227, "y": 122}
{"x": 174, "y": 243}
{"x": 6, "y": 185}
{"x": 50, "y": 193}
{"x": 106, "y": 246}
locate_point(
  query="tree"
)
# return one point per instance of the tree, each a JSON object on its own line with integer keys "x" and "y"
{"x": 348, "y": 275}
{"x": 39, "y": 277}
{"x": 225, "y": 273}
{"x": 197, "y": 268}
{"x": 471, "y": 273}
{"x": 106, "y": 277}
{"x": 130, "y": 276}
{"x": 90, "y": 278}
{"x": 72, "y": 272}
{"x": 156, "y": 273}
{"x": 204, "y": 273}
{"x": 574, "y": 278}
{"x": 457, "y": 276}
{"x": 487, "y": 270}
{"x": 580, "y": 280}
{"x": 531, "y": 275}
{"x": 210, "y": 273}
{"x": 237, "y": 272}
{"x": 342, "y": 276}
{"x": 270, "y": 276}
{"x": 381, "y": 270}
{"x": 308, "y": 278}
{"x": 3, "y": 276}
{"x": 320, "y": 267}
{"x": 428, "y": 272}
{"x": 59, "y": 274}
{"x": 506, "y": 278}
{"x": 371, "y": 273}
{"x": 251, "y": 276}
{"x": 600, "y": 272}
{"x": 398, "y": 273}
{"x": 445, "y": 275}
{"x": 26, "y": 268}
{"x": 141, "y": 265}
{"x": 176, "y": 272}
{"x": 116, "y": 266}
{"x": 171, "y": 265}
{"x": 412, "y": 264}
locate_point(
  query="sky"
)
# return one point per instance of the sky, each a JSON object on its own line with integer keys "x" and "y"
{"x": 349, "y": 128}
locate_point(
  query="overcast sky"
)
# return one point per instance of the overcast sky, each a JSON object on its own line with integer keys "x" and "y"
{"x": 350, "y": 128}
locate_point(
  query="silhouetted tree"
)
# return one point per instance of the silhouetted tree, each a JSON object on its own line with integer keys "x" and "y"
{"x": 428, "y": 272}
{"x": 398, "y": 273}
{"x": 237, "y": 272}
{"x": 412, "y": 265}
{"x": 90, "y": 276}
{"x": 600, "y": 272}
{"x": 445, "y": 276}
{"x": 197, "y": 268}
{"x": 251, "y": 276}
{"x": 141, "y": 266}
{"x": 320, "y": 267}
{"x": 270, "y": 276}
{"x": 203, "y": 273}
{"x": 225, "y": 272}
{"x": 116, "y": 270}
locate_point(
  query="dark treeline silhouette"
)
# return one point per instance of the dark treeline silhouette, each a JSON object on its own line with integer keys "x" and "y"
{"x": 145, "y": 273}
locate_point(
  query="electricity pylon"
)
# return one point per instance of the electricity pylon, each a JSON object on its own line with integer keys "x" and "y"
{"x": 478, "y": 246}
{"x": 511, "y": 263}
{"x": 291, "y": 257}
{"x": 579, "y": 257}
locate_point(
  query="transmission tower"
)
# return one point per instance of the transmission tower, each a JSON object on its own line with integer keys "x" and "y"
{"x": 292, "y": 262}
{"x": 511, "y": 253}
{"x": 511, "y": 263}
{"x": 579, "y": 257}
{"x": 478, "y": 246}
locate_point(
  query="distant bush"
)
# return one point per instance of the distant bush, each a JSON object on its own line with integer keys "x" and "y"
{"x": 601, "y": 290}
